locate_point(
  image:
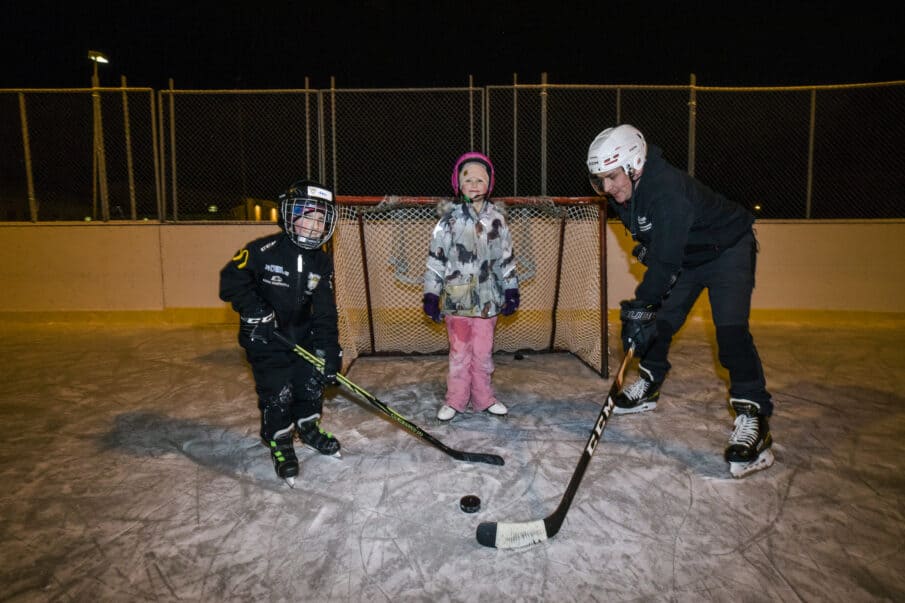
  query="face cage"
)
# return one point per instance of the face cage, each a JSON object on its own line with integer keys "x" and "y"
{"x": 297, "y": 209}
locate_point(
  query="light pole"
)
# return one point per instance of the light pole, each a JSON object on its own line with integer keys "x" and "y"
{"x": 99, "y": 162}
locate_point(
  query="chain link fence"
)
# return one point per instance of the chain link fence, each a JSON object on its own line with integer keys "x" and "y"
{"x": 824, "y": 152}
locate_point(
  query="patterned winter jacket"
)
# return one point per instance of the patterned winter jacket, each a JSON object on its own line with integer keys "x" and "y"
{"x": 470, "y": 263}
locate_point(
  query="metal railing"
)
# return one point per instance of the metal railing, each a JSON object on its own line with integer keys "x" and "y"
{"x": 810, "y": 152}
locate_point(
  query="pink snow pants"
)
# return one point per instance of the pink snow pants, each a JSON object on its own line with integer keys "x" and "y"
{"x": 470, "y": 362}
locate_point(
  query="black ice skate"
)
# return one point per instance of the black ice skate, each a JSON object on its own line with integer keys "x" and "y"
{"x": 750, "y": 442}
{"x": 311, "y": 434}
{"x": 640, "y": 396}
{"x": 283, "y": 454}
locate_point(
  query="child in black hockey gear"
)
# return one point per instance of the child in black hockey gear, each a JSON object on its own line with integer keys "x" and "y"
{"x": 689, "y": 238}
{"x": 285, "y": 281}
{"x": 470, "y": 280}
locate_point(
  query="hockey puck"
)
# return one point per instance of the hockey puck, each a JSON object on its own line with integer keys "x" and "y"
{"x": 470, "y": 503}
{"x": 519, "y": 356}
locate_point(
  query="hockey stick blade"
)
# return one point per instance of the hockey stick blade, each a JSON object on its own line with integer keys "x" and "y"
{"x": 508, "y": 535}
{"x": 459, "y": 455}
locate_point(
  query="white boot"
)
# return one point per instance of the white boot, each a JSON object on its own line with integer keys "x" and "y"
{"x": 446, "y": 413}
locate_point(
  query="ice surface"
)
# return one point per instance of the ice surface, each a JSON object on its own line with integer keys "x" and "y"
{"x": 132, "y": 471}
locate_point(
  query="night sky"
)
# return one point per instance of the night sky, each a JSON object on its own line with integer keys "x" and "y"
{"x": 425, "y": 43}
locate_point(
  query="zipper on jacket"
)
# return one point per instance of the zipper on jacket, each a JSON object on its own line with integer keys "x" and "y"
{"x": 300, "y": 269}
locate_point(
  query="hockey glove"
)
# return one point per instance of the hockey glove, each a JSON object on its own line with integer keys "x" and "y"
{"x": 639, "y": 326}
{"x": 640, "y": 252}
{"x": 258, "y": 324}
{"x": 431, "y": 304}
{"x": 510, "y": 303}
{"x": 333, "y": 363}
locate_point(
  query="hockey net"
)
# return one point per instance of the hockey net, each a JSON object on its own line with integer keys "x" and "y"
{"x": 380, "y": 252}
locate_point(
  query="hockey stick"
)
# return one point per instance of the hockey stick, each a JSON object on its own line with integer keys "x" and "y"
{"x": 460, "y": 455}
{"x": 510, "y": 535}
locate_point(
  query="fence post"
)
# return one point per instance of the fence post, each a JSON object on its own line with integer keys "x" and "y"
{"x": 173, "y": 152}
{"x": 471, "y": 113}
{"x": 692, "y": 122}
{"x": 159, "y": 145}
{"x": 543, "y": 134}
{"x": 515, "y": 134}
{"x": 811, "y": 127}
{"x": 130, "y": 170}
{"x": 29, "y": 175}
{"x": 307, "y": 131}
{"x": 333, "y": 131}
{"x": 100, "y": 163}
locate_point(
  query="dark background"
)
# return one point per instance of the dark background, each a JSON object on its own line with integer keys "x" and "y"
{"x": 377, "y": 43}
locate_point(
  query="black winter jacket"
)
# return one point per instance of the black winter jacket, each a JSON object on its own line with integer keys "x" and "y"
{"x": 297, "y": 283}
{"x": 682, "y": 223}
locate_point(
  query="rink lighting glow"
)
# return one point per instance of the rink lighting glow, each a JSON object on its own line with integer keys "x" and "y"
{"x": 97, "y": 56}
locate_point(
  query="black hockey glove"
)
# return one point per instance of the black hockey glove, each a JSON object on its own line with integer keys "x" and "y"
{"x": 333, "y": 364}
{"x": 431, "y": 304}
{"x": 510, "y": 303}
{"x": 640, "y": 252}
{"x": 258, "y": 324}
{"x": 639, "y": 326}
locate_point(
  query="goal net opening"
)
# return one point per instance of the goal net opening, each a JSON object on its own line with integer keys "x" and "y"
{"x": 380, "y": 252}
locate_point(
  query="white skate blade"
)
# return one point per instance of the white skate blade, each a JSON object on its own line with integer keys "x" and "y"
{"x": 290, "y": 481}
{"x": 335, "y": 455}
{"x": 643, "y": 407}
{"x": 763, "y": 461}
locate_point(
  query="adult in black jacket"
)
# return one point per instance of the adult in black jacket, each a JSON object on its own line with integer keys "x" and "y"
{"x": 285, "y": 281}
{"x": 689, "y": 237}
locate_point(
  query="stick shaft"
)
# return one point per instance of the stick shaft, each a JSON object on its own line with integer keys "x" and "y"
{"x": 516, "y": 534}
{"x": 474, "y": 457}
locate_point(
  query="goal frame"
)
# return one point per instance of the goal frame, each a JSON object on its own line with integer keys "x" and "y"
{"x": 367, "y": 225}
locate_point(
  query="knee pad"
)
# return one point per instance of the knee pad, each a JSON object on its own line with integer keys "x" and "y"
{"x": 275, "y": 412}
{"x": 306, "y": 409}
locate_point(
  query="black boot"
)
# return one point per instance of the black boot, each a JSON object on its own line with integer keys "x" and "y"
{"x": 750, "y": 442}
{"x": 285, "y": 462}
{"x": 640, "y": 396}
{"x": 311, "y": 434}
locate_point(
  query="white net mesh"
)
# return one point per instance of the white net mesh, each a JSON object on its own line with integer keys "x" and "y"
{"x": 380, "y": 252}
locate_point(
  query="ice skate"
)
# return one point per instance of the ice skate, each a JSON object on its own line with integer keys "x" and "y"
{"x": 311, "y": 434}
{"x": 750, "y": 444}
{"x": 640, "y": 396}
{"x": 285, "y": 462}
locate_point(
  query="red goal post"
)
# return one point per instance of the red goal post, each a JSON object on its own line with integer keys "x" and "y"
{"x": 380, "y": 251}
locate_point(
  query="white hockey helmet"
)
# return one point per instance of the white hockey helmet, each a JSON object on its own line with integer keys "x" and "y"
{"x": 620, "y": 147}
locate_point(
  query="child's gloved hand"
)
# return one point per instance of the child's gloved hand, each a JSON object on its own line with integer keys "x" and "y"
{"x": 510, "y": 303}
{"x": 258, "y": 324}
{"x": 333, "y": 364}
{"x": 431, "y": 304}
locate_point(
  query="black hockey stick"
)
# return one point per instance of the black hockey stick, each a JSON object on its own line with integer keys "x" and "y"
{"x": 510, "y": 535}
{"x": 460, "y": 455}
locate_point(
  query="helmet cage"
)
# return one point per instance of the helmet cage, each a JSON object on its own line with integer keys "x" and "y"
{"x": 310, "y": 207}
